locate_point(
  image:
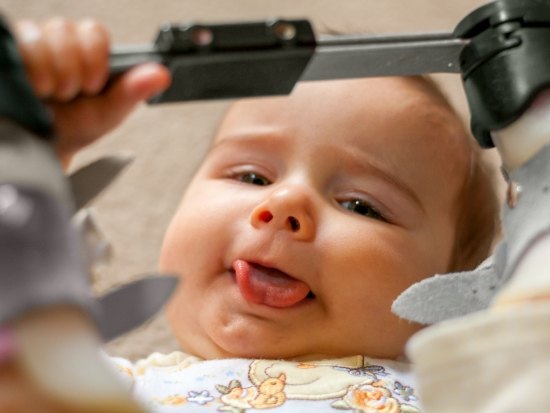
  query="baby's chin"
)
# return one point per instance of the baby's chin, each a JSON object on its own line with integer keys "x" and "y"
{"x": 269, "y": 354}
{"x": 228, "y": 334}
{"x": 221, "y": 346}
{"x": 231, "y": 344}
{"x": 216, "y": 352}
{"x": 218, "y": 342}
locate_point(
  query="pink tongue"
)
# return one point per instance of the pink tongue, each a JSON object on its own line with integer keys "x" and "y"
{"x": 268, "y": 286}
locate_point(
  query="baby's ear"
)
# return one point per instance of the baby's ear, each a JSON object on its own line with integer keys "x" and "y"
{"x": 446, "y": 296}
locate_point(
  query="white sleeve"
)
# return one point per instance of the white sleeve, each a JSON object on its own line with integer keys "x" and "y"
{"x": 490, "y": 362}
{"x": 124, "y": 369}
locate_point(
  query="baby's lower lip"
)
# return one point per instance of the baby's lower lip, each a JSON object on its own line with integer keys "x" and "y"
{"x": 269, "y": 286}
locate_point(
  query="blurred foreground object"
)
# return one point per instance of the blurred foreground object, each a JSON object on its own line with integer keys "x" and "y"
{"x": 51, "y": 325}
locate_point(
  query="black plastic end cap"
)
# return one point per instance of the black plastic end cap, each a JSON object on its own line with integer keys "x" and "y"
{"x": 507, "y": 62}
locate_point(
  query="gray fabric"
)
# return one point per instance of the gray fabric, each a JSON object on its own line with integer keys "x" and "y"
{"x": 31, "y": 162}
{"x": 453, "y": 295}
{"x": 132, "y": 304}
{"x": 531, "y": 217}
{"x": 92, "y": 179}
{"x": 43, "y": 258}
{"x": 446, "y": 296}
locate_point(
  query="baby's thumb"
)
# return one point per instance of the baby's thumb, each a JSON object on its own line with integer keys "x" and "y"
{"x": 142, "y": 82}
{"x": 81, "y": 122}
{"x": 137, "y": 85}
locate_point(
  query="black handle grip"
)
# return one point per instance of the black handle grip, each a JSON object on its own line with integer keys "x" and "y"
{"x": 226, "y": 60}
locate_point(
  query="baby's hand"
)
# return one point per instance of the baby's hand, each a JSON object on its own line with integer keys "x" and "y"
{"x": 67, "y": 64}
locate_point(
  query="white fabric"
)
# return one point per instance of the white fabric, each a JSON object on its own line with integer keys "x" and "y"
{"x": 180, "y": 383}
{"x": 494, "y": 361}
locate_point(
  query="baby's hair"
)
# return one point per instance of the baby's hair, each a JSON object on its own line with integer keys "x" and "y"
{"x": 478, "y": 217}
{"x": 477, "y": 224}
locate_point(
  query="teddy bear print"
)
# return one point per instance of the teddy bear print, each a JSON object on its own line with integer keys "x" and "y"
{"x": 268, "y": 394}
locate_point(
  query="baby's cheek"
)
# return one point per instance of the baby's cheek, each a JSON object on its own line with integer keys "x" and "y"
{"x": 168, "y": 255}
{"x": 177, "y": 241}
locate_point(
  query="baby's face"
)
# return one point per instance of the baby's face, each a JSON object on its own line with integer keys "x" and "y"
{"x": 309, "y": 216}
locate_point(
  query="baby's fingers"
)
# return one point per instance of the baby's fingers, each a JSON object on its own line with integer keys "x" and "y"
{"x": 64, "y": 59}
{"x": 35, "y": 54}
{"x": 61, "y": 39}
{"x": 94, "y": 51}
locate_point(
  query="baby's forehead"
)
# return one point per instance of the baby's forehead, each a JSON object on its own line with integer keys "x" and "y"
{"x": 391, "y": 103}
{"x": 349, "y": 94}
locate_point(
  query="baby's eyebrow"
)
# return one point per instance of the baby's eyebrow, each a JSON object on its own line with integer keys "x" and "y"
{"x": 361, "y": 162}
{"x": 264, "y": 137}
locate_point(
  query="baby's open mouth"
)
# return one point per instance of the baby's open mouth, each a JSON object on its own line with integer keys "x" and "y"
{"x": 269, "y": 286}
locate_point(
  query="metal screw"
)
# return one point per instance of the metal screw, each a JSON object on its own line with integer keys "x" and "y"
{"x": 284, "y": 30}
{"x": 513, "y": 193}
{"x": 202, "y": 36}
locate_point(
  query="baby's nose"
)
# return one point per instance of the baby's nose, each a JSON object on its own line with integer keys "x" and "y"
{"x": 293, "y": 223}
{"x": 288, "y": 210}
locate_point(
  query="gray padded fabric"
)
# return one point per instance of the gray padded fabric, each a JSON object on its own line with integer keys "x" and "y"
{"x": 92, "y": 179}
{"x": 453, "y": 295}
{"x": 446, "y": 296}
{"x": 531, "y": 217}
{"x": 42, "y": 256}
{"x": 41, "y": 260}
{"x": 31, "y": 162}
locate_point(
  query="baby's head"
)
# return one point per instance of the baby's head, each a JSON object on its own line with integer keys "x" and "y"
{"x": 312, "y": 213}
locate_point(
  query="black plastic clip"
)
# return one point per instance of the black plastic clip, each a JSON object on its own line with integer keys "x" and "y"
{"x": 507, "y": 62}
{"x": 228, "y": 60}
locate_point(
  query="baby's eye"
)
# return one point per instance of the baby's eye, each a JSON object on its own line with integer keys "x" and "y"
{"x": 253, "y": 178}
{"x": 362, "y": 207}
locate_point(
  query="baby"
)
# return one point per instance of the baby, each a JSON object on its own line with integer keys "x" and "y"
{"x": 309, "y": 215}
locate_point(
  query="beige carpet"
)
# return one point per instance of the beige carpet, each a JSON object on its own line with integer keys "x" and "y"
{"x": 169, "y": 140}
